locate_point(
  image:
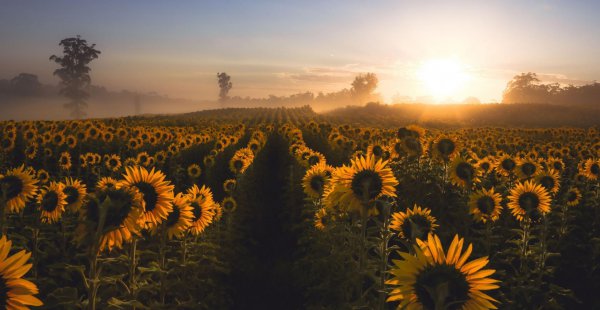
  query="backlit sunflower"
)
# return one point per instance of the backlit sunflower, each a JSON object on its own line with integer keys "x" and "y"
{"x": 527, "y": 201}
{"x": 201, "y": 200}
{"x": 506, "y": 165}
{"x": 157, "y": 193}
{"x": 194, "y": 171}
{"x": 378, "y": 149}
{"x": 43, "y": 176}
{"x": 573, "y": 197}
{"x": 17, "y": 186}
{"x": 485, "y": 206}
{"x": 486, "y": 164}
{"x": 15, "y": 292}
{"x": 52, "y": 202}
{"x": 241, "y": 160}
{"x": 434, "y": 279}
{"x": 113, "y": 162}
{"x": 180, "y": 219}
{"x": 316, "y": 179}
{"x": 549, "y": 179}
{"x": 124, "y": 216}
{"x": 64, "y": 162}
{"x": 75, "y": 191}
{"x": 364, "y": 181}
{"x": 462, "y": 173}
{"x": 412, "y": 224}
{"x": 444, "y": 148}
{"x": 229, "y": 185}
{"x": 105, "y": 183}
{"x": 322, "y": 219}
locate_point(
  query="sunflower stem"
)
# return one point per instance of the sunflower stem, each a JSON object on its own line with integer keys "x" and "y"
{"x": 132, "y": 268}
{"x": 162, "y": 258}
{"x": 385, "y": 237}
{"x": 525, "y": 244}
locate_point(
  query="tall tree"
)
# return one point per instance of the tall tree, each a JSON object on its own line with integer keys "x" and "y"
{"x": 224, "y": 85}
{"x": 74, "y": 72}
{"x": 26, "y": 84}
{"x": 526, "y": 88}
{"x": 363, "y": 87}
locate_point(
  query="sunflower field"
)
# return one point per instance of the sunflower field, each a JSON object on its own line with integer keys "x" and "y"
{"x": 287, "y": 209}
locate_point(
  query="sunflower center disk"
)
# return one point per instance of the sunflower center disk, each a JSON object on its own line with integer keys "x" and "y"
{"x": 50, "y": 202}
{"x": 173, "y": 217}
{"x": 528, "y": 169}
{"x": 367, "y": 184}
{"x": 485, "y": 205}
{"x": 14, "y": 187}
{"x": 197, "y": 210}
{"x": 465, "y": 172}
{"x": 508, "y": 164}
{"x": 446, "y": 147}
{"x": 529, "y": 202}
{"x": 72, "y": 194}
{"x": 416, "y": 227}
{"x": 441, "y": 285}
{"x": 150, "y": 195}
{"x": 317, "y": 183}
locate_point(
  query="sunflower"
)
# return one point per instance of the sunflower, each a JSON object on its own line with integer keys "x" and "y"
{"x": 229, "y": 185}
{"x": 113, "y": 162}
{"x": 143, "y": 159}
{"x": 485, "y": 206}
{"x": 549, "y": 179}
{"x": 218, "y": 212}
{"x": 229, "y": 204}
{"x": 433, "y": 279}
{"x": 415, "y": 223}
{"x": 378, "y": 149}
{"x": 505, "y": 165}
{"x": 364, "y": 181}
{"x": 180, "y": 219}
{"x": 555, "y": 163}
{"x": 201, "y": 200}
{"x": 105, "y": 183}
{"x": 124, "y": 216}
{"x": 322, "y": 219}
{"x": 194, "y": 171}
{"x": 573, "y": 197}
{"x": 527, "y": 168}
{"x": 315, "y": 158}
{"x": 241, "y": 160}
{"x": 52, "y": 201}
{"x": 528, "y": 200}
{"x": 462, "y": 173}
{"x": 156, "y": 192}
{"x": 316, "y": 179}
{"x": 75, "y": 191}
{"x": 17, "y": 186}
{"x": 43, "y": 176}
{"x": 64, "y": 162}
{"x": 15, "y": 292}
{"x": 591, "y": 169}
{"x": 486, "y": 164}
{"x": 444, "y": 148}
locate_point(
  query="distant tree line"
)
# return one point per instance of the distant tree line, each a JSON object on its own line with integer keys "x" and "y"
{"x": 527, "y": 88}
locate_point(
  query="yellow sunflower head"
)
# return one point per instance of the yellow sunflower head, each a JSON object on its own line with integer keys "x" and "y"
{"x": 322, "y": 219}
{"x": 506, "y": 165}
{"x": 52, "y": 202}
{"x": 157, "y": 193}
{"x": 462, "y": 173}
{"x": 316, "y": 179}
{"x": 194, "y": 171}
{"x": 16, "y": 292}
{"x": 229, "y": 186}
{"x": 17, "y": 187}
{"x": 573, "y": 197}
{"x": 113, "y": 162}
{"x": 203, "y": 208}
{"x": 435, "y": 279}
{"x": 591, "y": 169}
{"x": 76, "y": 193}
{"x": 229, "y": 204}
{"x": 528, "y": 201}
{"x": 485, "y": 205}
{"x": 549, "y": 179}
{"x": 412, "y": 224}
{"x": 180, "y": 219}
{"x": 527, "y": 168}
{"x": 444, "y": 147}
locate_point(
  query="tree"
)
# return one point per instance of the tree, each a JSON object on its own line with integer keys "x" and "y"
{"x": 526, "y": 88}
{"x": 25, "y": 84}
{"x": 224, "y": 85}
{"x": 74, "y": 72}
{"x": 363, "y": 87}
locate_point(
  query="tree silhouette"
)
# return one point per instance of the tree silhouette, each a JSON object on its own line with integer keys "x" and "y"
{"x": 74, "y": 72}
{"x": 25, "y": 84}
{"x": 363, "y": 87}
{"x": 224, "y": 85}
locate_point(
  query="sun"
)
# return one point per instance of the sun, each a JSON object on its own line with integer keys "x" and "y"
{"x": 443, "y": 78}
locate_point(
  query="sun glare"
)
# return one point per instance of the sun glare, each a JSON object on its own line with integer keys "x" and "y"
{"x": 442, "y": 78}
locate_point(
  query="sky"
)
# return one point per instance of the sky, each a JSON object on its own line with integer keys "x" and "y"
{"x": 283, "y": 47}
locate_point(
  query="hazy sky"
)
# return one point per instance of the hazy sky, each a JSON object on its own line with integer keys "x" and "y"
{"x": 282, "y": 47}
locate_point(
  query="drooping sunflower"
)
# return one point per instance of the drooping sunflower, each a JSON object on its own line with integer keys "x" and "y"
{"x": 15, "y": 292}
{"x": 591, "y": 169}
{"x": 157, "y": 193}
{"x": 241, "y": 160}
{"x": 201, "y": 200}
{"x": 316, "y": 179}
{"x": 229, "y": 204}
{"x": 364, "y": 181}
{"x": 180, "y": 219}
{"x": 75, "y": 191}
{"x": 412, "y": 224}
{"x": 528, "y": 201}
{"x": 462, "y": 173}
{"x": 435, "y": 279}
{"x": 194, "y": 171}
{"x": 18, "y": 187}
{"x": 549, "y": 179}
{"x": 485, "y": 205}
{"x": 573, "y": 197}
{"x": 124, "y": 216}
{"x": 52, "y": 201}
